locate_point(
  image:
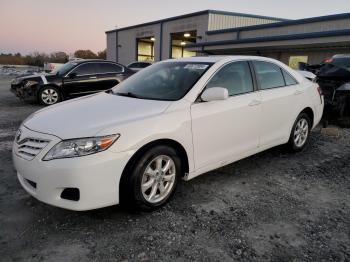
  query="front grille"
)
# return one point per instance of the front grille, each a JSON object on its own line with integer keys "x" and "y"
{"x": 29, "y": 147}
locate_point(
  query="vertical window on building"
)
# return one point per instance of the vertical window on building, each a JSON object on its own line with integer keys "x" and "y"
{"x": 179, "y": 41}
{"x": 145, "y": 49}
{"x": 295, "y": 60}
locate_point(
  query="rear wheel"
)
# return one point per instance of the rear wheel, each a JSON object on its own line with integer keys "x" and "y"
{"x": 300, "y": 133}
{"x": 49, "y": 95}
{"x": 152, "y": 179}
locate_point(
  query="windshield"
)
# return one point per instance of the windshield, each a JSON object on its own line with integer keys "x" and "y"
{"x": 162, "y": 81}
{"x": 64, "y": 69}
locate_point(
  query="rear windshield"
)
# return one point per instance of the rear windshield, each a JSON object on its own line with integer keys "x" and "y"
{"x": 342, "y": 62}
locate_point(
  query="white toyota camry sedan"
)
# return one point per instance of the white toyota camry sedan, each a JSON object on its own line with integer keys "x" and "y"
{"x": 174, "y": 120}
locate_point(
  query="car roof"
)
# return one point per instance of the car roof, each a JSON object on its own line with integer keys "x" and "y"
{"x": 80, "y": 61}
{"x": 215, "y": 59}
{"x": 342, "y": 56}
{"x": 143, "y": 62}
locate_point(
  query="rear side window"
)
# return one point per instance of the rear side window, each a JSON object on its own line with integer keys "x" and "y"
{"x": 143, "y": 65}
{"x": 235, "y": 77}
{"x": 86, "y": 69}
{"x": 134, "y": 65}
{"x": 269, "y": 75}
{"x": 109, "y": 68}
{"x": 288, "y": 78}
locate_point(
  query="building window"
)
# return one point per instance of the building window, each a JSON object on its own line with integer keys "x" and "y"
{"x": 295, "y": 60}
{"x": 179, "y": 41}
{"x": 145, "y": 49}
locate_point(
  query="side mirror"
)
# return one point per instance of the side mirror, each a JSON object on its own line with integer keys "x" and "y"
{"x": 214, "y": 94}
{"x": 72, "y": 75}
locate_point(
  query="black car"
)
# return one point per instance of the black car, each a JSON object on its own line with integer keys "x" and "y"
{"x": 75, "y": 78}
{"x": 137, "y": 66}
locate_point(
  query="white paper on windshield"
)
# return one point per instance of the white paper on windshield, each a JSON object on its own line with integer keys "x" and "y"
{"x": 196, "y": 66}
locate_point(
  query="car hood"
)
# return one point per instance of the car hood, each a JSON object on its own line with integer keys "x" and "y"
{"x": 40, "y": 78}
{"x": 87, "y": 116}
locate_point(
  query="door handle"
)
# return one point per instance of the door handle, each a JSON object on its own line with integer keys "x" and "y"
{"x": 93, "y": 77}
{"x": 255, "y": 103}
{"x": 298, "y": 92}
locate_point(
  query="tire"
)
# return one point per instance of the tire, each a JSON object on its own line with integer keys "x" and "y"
{"x": 299, "y": 135}
{"x": 49, "y": 95}
{"x": 144, "y": 171}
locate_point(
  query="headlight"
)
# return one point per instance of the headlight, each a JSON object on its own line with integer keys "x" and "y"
{"x": 16, "y": 81}
{"x": 80, "y": 147}
{"x": 30, "y": 83}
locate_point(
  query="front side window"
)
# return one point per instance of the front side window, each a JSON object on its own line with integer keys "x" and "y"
{"x": 163, "y": 81}
{"x": 109, "y": 68}
{"x": 235, "y": 77}
{"x": 86, "y": 69}
{"x": 269, "y": 75}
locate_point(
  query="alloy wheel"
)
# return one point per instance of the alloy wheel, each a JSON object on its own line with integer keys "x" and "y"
{"x": 49, "y": 96}
{"x": 158, "y": 179}
{"x": 301, "y": 132}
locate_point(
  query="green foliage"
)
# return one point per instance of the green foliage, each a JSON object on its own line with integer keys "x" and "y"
{"x": 102, "y": 54}
{"x": 85, "y": 54}
{"x": 38, "y": 59}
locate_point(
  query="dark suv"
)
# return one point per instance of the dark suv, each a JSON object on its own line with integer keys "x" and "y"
{"x": 75, "y": 78}
{"x": 333, "y": 76}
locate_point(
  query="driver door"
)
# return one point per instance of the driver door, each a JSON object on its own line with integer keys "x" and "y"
{"x": 84, "y": 80}
{"x": 226, "y": 130}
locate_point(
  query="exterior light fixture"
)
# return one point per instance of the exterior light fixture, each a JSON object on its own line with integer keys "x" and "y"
{"x": 153, "y": 39}
{"x": 187, "y": 35}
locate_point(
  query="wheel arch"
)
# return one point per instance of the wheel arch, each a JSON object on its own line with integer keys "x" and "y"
{"x": 310, "y": 113}
{"x": 48, "y": 85}
{"x": 307, "y": 110}
{"x": 164, "y": 142}
{"x": 40, "y": 87}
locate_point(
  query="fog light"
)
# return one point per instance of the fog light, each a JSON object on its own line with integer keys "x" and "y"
{"x": 72, "y": 194}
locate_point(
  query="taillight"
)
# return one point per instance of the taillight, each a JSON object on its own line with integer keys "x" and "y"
{"x": 328, "y": 60}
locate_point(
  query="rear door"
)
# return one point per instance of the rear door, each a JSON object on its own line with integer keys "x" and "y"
{"x": 280, "y": 104}
{"x": 109, "y": 75}
{"x": 227, "y": 129}
{"x": 84, "y": 80}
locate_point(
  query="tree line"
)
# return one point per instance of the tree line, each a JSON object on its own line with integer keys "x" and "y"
{"x": 38, "y": 59}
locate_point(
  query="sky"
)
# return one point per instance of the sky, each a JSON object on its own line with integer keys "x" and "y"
{"x": 67, "y": 25}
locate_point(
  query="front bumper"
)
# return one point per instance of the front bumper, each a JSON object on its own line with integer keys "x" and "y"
{"x": 25, "y": 93}
{"x": 96, "y": 176}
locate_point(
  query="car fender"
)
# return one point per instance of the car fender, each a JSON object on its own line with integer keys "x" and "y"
{"x": 165, "y": 126}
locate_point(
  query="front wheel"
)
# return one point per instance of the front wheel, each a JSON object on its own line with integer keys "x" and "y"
{"x": 152, "y": 179}
{"x": 300, "y": 133}
{"x": 49, "y": 95}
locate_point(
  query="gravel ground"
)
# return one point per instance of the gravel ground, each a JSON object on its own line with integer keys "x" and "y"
{"x": 273, "y": 206}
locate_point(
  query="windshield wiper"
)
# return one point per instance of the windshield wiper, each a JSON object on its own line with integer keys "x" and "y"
{"x": 128, "y": 94}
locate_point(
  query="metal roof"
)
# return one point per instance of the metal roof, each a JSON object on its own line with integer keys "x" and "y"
{"x": 342, "y": 32}
{"x": 283, "y": 23}
{"x": 209, "y": 11}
